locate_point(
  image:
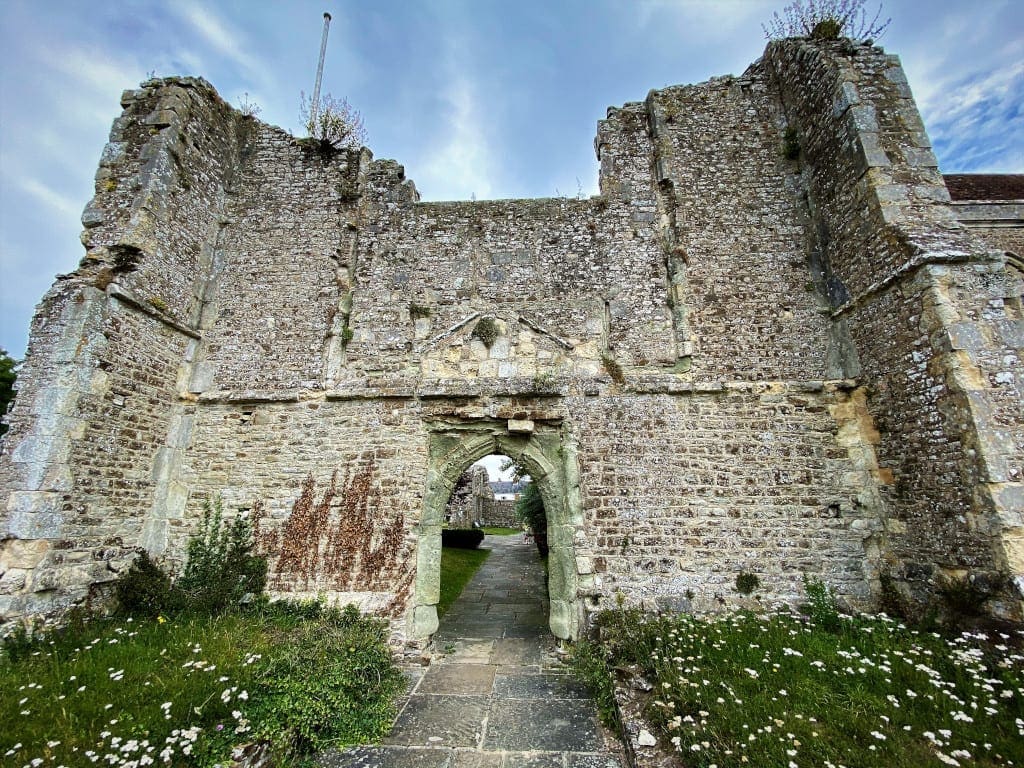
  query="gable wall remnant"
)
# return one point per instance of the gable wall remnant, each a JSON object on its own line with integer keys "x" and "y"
{"x": 736, "y": 358}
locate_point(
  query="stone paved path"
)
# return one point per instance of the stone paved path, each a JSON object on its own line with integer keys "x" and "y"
{"x": 495, "y": 694}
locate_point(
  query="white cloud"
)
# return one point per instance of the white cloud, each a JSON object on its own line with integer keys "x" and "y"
{"x": 462, "y": 165}
{"x": 62, "y": 206}
{"x": 225, "y": 41}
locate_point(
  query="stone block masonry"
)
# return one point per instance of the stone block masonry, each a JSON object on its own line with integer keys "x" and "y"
{"x": 768, "y": 346}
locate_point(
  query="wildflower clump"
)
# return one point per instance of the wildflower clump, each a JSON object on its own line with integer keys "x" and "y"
{"x": 191, "y": 689}
{"x": 745, "y": 689}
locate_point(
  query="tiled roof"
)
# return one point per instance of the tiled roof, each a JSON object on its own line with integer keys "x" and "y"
{"x": 985, "y": 186}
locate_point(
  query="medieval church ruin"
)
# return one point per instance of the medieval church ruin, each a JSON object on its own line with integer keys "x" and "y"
{"x": 771, "y": 345}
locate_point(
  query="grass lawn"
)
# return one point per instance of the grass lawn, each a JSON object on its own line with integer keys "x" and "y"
{"x": 499, "y": 531}
{"x": 457, "y": 568}
{"x": 788, "y": 690}
{"x": 185, "y": 690}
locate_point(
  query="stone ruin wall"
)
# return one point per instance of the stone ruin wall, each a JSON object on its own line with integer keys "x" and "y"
{"x": 731, "y": 361}
{"x": 925, "y": 306}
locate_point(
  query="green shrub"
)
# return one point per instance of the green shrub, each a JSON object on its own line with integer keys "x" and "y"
{"x": 790, "y": 144}
{"x": 158, "y": 304}
{"x": 530, "y": 511}
{"x": 461, "y": 538}
{"x": 419, "y": 311}
{"x": 827, "y": 29}
{"x": 614, "y": 369}
{"x": 220, "y": 568}
{"x": 826, "y": 20}
{"x": 821, "y": 603}
{"x": 145, "y": 590}
{"x": 331, "y": 682}
{"x": 747, "y": 583}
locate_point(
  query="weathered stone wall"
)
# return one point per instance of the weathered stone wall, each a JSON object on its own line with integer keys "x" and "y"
{"x": 730, "y": 361}
{"x": 326, "y": 483}
{"x": 82, "y": 466}
{"x": 893, "y": 259}
{"x": 684, "y": 493}
{"x": 500, "y": 513}
{"x": 736, "y": 241}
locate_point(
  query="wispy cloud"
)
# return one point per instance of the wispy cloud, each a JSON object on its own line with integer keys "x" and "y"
{"x": 462, "y": 165}
{"x": 978, "y": 121}
{"x": 225, "y": 41}
{"x": 61, "y": 205}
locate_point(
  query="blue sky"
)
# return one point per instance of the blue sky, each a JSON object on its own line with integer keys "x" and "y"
{"x": 474, "y": 97}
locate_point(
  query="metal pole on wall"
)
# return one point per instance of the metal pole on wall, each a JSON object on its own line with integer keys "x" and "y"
{"x": 314, "y": 107}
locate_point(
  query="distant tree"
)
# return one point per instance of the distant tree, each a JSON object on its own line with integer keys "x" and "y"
{"x": 7, "y": 378}
{"x": 530, "y": 510}
{"x": 333, "y": 123}
{"x": 826, "y": 20}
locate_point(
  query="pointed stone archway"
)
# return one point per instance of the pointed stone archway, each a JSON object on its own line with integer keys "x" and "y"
{"x": 550, "y": 458}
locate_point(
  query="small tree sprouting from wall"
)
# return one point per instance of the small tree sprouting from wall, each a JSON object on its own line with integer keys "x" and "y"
{"x": 826, "y": 20}
{"x": 334, "y": 124}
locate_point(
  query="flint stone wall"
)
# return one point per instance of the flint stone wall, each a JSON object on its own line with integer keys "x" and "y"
{"x": 730, "y": 361}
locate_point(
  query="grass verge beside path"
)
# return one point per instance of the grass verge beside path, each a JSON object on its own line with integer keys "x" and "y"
{"x": 185, "y": 690}
{"x": 788, "y": 690}
{"x": 498, "y": 530}
{"x": 457, "y": 568}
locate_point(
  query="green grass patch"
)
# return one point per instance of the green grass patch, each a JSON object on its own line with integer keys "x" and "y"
{"x": 497, "y": 530}
{"x": 457, "y": 568}
{"x": 185, "y": 690}
{"x": 783, "y": 689}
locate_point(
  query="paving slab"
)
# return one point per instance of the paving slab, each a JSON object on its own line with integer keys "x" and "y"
{"x": 386, "y": 757}
{"x": 541, "y": 686}
{"x": 458, "y": 679}
{"x": 432, "y": 720}
{"x": 560, "y": 725}
{"x": 516, "y": 652}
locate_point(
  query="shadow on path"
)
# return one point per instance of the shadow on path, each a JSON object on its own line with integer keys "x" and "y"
{"x": 495, "y": 694}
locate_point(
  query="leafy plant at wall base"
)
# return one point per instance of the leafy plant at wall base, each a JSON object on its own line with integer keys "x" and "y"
{"x": 821, "y": 603}
{"x": 589, "y": 663}
{"x": 747, "y": 583}
{"x": 220, "y": 568}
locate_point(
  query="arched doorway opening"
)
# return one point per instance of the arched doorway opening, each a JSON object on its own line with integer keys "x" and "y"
{"x": 550, "y": 459}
